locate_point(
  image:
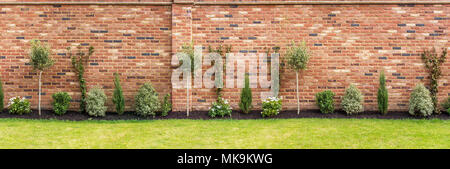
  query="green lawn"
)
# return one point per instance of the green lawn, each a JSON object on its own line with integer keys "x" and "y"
{"x": 279, "y": 133}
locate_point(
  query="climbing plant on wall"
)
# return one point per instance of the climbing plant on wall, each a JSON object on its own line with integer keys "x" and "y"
{"x": 79, "y": 61}
{"x": 433, "y": 63}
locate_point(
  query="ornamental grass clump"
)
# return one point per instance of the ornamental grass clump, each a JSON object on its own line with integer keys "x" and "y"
{"x": 40, "y": 60}
{"x": 95, "y": 102}
{"x": 420, "y": 102}
{"x": 325, "y": 101}
{"x": 147, "y": 103}
{"x": 18, "y": 105}
{"x": 118, "y": 99}
{"x": 352, "y": 100}
{"x": 382, "y": 96}
{"x": 61, "y": 102}
{"x": 446, "y": 105}
{"x": 271, "y": 107}
{"x": 166, "y": 106}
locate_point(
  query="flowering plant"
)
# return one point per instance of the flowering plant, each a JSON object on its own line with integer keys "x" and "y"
{"x": 18, "y": 105}
{"x": 220, "y": 108}
{"x": 271, "y": 106}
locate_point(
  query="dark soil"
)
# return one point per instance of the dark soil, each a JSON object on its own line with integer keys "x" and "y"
{"x": 76, "y": 116}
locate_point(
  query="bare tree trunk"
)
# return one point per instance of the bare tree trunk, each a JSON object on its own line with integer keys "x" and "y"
{"x": 298, "y": 96}
{"x": 39, "y": 105}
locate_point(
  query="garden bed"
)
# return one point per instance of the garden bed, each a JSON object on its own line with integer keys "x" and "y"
{"x": 76, "y": 116}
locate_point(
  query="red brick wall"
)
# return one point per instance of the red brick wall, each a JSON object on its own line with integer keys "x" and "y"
{"x": 132, "y": 40}
{"x": 350, "y": 44}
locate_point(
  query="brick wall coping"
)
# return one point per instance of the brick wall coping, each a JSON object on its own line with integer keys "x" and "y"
{"x": 231, "y": 3}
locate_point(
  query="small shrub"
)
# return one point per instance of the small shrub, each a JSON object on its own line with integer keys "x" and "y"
{"x": 166, "y": 106}
{"x": 95, "y": 102}
{"x": 246, "y": 96}
{"x": 147, "y": 102}
{"x": 271, "y": 107}
{"x": 1, "y": 96}
{"x": 446, "y": 105}
{"x": 118, "y": 98}
{"x": 220, "y": 108}
{"x": 352, "y": 100}
{"x": 61, "y": 102}
{"x": 325, "y": 101}
{"x": 18, "y": 105}
{"x": 382, "y": 96}
{"x": 420, "y": 102}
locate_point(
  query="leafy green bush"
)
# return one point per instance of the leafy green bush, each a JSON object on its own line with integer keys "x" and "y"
{"x": 352, "y": 100}
{"x": 61, "y": 102}
{"x": 18, "y": 105}
{"x": 118, "y": 98}
{"x": 325, "y": 101}
{"x": 382, "y": 96}
{"x": 446, "y": 105}
{"x": 420, "y": 102}
{"x": 220, "y": 108}
{"x": 95, "y": 102}
{"x": 246, "y": 96}
{"x": 1, "y": 96}
{"x": 271, "y": 107}
{"x": 147, "y": 102}
{"x": 166, "y": 106}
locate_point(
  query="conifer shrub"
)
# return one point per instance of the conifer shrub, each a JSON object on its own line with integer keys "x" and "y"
{"x": 352, "y": 100}
{"x": 382, "y": 96}
{"x": 246, "y": 96}
{"x": 118, "y": 99}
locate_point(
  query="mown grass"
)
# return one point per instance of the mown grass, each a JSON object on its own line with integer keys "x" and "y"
{"x": 274, "y": 133}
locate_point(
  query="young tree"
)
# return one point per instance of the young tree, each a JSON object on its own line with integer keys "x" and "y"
{"x": 433, "y": 63}
{"x": 40, "y": 60}
{"x": 195, "y": 64}
{"x": 79, "y": 61}
{"x": 382, "y": 95}
{"x": 118, "y": 98}
{"x": 297, "y": 59}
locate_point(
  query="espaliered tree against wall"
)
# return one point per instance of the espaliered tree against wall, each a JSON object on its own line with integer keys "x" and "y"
{"x": 79, "y": 62}
{"x": 433, "y": 63}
